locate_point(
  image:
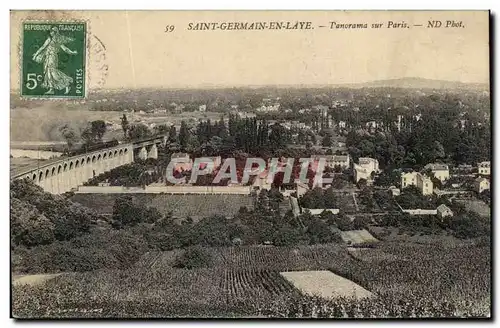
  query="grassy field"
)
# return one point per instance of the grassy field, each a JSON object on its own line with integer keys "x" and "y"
{"x": 195, "y": 206}
{"x": 407, "y": 279}
{"x": 16, "y": 163}
{"x": 477, "y": 206}
{"x": 45, "y": 120}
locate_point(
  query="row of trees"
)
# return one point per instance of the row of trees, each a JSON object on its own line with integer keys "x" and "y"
{"x": 238, "y": 134}
{"x": 137, "y": 174}
{"x": 463, "y": 224}
{"x": 91, "y": 137}
{"x": 426, "y": 143}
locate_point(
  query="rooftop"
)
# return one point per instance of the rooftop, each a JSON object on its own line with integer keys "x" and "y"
{"x": 336, "y": 158}
{"x": 443, "y": 207}
{"x": 365, "y": 160}
{"x": 437, "y": 167}
{"x": 180, "y": 155}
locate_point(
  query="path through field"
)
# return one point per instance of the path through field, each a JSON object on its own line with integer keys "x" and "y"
{"x": 33, "y": 279}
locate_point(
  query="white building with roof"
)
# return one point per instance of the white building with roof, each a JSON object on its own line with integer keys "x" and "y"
{"x": 481, "y": 184}
{"x": 444, "y": 211}
{"x": 484, "y": 168}
{"x": 441, "y": 171}
{"x": 333, "y": 160}
{"x": 365, "y": 168}
{"x": 421, "y": 181}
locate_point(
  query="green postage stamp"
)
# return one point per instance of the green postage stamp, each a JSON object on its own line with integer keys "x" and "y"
{"x": 53, "y": 59}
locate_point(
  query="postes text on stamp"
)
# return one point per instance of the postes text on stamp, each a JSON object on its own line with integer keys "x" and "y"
{"x": 53, "y": 60}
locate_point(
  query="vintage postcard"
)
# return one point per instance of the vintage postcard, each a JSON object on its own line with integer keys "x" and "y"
{"x": 250, "y": 164}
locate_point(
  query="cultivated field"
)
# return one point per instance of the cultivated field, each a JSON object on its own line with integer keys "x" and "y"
{"x": 195, "y": 206}
{"x": 406, "y": 279}
{"x": 325, "y": 284}
{"x": 345, "y": 202}
{"x": 314, "y": 257}
{"x": 357, "y": 237}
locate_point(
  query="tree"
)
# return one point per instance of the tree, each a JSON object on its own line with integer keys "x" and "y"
{"x": 29, "y": 227}
{"x": 437, "y": 151}
{"x": 469, "y": 225}
{"x": 94, "y": 132}
{"x": 329, "y": 197}
{"x": 184, "y": 135}
{"x": 362, "y": 183}
{"x": 319, "y": 232}
{"x": 339, "y": 182}
{"x": 161, "y": 241}
{"x": 278, "y": 137}
{"x": 161, "y": 129}
{"x": 387, "y": 178}
{"x": 286, "y": 236}
{"x": 193, "y": 257}
{"x": 344, "y": 223}
{"x": 99, "y": 129}
{"x": 328, "y": 217}
{"x": 313, "y": 199}
{"x": 139, "y": 131}
{"x": 366, "y": 147}
{"x": 125, "y": 125}
{"x": 358, "y": 223}
{"x": 327, "y": 140}
{"x": 70, "y": 219}
{"x": 69, "y": 135}
{"x": 125, "y": 212}
{"x": 172, "y": 134}
{"x": 275, "y": 198}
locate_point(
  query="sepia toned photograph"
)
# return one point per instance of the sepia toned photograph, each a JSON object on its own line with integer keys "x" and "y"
{"x": 250, "y": 164}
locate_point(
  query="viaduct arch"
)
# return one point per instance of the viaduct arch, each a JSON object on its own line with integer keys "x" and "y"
{"x": 61, "y": 175}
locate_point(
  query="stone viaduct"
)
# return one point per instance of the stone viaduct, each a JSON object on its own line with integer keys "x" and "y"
{"x": 60, "y": 175}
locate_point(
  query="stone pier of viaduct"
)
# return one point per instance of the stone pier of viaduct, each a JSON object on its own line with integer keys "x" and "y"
{"x": 63, "y": 174}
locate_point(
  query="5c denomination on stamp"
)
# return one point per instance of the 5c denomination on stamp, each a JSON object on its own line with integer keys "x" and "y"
{"x": 53, "y": 59}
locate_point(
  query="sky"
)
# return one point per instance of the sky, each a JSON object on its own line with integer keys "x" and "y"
{"x": 137, "y": 51}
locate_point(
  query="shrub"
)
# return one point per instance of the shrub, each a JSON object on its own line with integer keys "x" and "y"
{"x": 28, "y": 226}
{"x": 319, "y": 232}
{"x": 469, "y": 225}
{"x": 160, "y": 241}
{"x": 69, "y": 219}
{"x": 96, "y": 250}
{"x": 344, "y": 223}
{"x": 286, "y": 236}
{"x": 193, "y": 257}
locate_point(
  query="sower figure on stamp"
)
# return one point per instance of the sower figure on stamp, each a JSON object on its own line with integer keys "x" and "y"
{"x": 48, "y": 55}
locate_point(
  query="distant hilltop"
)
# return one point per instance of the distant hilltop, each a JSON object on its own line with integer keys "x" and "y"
{"x": 420, "y": 83}
{"x": 407, "y": 82}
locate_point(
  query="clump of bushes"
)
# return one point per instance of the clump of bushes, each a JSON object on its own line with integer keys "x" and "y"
{"x": 39, "y": 218}
{"x": 193, "y": 257}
